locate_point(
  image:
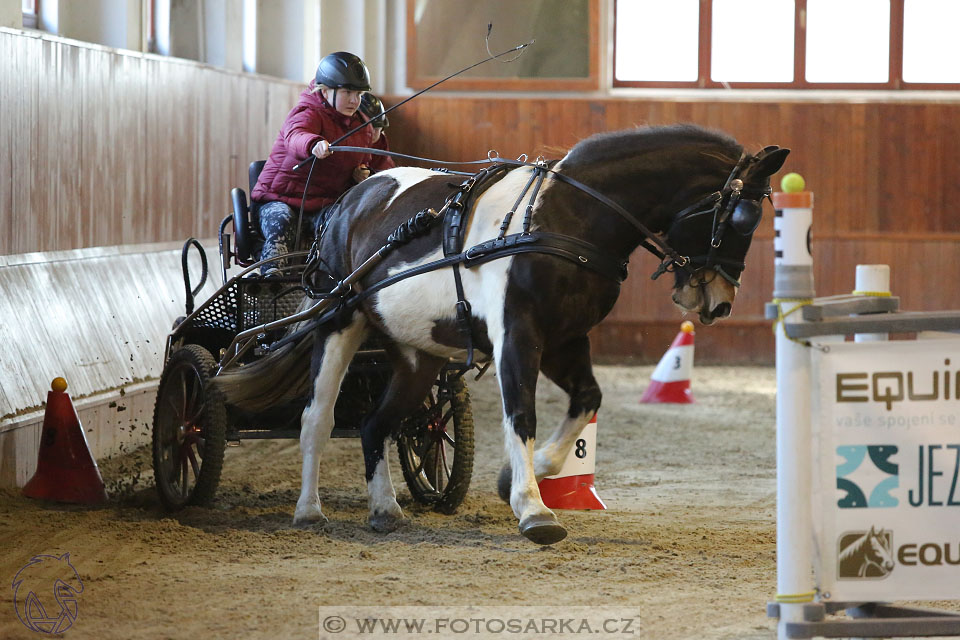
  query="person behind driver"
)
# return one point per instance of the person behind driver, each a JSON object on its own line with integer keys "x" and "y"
{"x": 326, "y": 109}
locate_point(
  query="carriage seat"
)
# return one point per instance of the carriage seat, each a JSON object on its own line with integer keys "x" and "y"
{"x": 246, "y": 223}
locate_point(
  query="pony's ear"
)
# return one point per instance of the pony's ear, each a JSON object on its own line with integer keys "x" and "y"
{"x": 770, "y": 160}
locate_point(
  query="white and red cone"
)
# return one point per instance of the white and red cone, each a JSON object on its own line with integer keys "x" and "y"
{"x": 572, "y": 487}
{"x": 670, "y": 382}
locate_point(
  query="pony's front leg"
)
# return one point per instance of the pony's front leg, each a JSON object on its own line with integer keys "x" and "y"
{"x": 570, "y": 369}
{"x": 331, "y": 357}
{"x": 517, "y": 367}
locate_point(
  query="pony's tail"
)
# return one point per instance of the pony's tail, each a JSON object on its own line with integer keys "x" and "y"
{"x": 278, "y": 377}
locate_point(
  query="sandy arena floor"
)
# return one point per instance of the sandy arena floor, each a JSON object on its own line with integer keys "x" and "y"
{"x": 686, "y": 544}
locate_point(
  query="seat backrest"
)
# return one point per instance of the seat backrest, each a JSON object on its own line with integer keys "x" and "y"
{"x": 256, "y": 167}
{"x": 254, "y": 171}
{"x": 246, "y": 222}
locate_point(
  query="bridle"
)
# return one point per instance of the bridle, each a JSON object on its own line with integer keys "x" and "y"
{"x": 729, "y": 208}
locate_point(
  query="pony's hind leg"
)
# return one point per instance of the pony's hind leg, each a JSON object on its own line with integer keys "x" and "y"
{"x": 331, "y": 357}
{"x": 413, "y": 374}
{"x": 517, "y": 366}
{"x": 570, "y": 369}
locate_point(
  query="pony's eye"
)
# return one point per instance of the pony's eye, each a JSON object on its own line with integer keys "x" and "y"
{"x": 746, "y": 217}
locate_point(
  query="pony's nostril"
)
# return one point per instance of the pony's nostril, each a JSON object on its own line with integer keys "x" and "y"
{"x": 722, "y": 310}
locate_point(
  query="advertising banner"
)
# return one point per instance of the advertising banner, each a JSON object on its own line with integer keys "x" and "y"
{"x": 886, "y": 485}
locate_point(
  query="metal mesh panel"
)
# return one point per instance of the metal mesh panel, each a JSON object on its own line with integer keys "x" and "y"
{"x": 219, "y": 312}
{"x": 263, "y": 301}
{"x": 250, "y": 302}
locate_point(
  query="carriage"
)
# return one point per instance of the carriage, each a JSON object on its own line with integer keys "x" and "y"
{"x": 192, "y": 423}
{"x": 526, "y": 291}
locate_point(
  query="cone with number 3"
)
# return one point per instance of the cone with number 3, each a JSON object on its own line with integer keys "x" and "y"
{"x": 670, "y": 382}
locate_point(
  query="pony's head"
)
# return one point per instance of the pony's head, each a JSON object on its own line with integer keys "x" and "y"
{"x": 715, "y": 234}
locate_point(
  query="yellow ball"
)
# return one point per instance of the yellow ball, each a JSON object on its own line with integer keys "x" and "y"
{"x": 59, "y": 385}
{"x": 686, "y": 327}
{"x": 792, "y": 183}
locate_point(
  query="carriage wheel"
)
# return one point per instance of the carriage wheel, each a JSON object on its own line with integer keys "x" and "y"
{"x": 189, "y": 430}
{"x": 436, "y": 446}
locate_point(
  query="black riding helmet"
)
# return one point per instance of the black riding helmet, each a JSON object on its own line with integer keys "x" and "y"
{"x": 372, "y": 108}
{"x": 343, "y": 70}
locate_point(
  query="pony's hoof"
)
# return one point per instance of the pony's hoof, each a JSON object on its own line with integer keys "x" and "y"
{"x": 542, "y": 529}
{"x": 504, "y": 482}
{"x": 386, "y": 522}
{"x": 308, "y": 515}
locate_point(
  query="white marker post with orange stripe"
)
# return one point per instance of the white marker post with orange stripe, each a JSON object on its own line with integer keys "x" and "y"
{"x": 793, "y": 289}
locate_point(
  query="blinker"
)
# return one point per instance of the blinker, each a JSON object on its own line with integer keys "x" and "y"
{"x": 746, "y": 217}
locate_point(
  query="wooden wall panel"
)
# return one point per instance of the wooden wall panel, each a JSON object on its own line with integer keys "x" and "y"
{"x": 106, "y": 147}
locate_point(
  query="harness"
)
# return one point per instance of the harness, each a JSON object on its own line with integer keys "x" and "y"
{"x": 728, "y": 206}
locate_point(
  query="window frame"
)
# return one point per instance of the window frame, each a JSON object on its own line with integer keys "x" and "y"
{"x": 895, "y": 62}
{"x": 416, "y": 80}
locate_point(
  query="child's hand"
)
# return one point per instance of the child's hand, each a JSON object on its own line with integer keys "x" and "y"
{"x": 322, "y": 149}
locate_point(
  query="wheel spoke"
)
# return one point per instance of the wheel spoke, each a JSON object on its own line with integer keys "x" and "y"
{"x": 446, "y": 436}
{"x": 445, "y": 418}
{"x": 196, "y": 399}
{"x": 443, "y": 460}
{"x": 437, "y": 467}
{"x": 419, "y": 469}
{"x": 183, "y": 396}
{"x": 183, "y": 475}
{"x": 193, "y": 461}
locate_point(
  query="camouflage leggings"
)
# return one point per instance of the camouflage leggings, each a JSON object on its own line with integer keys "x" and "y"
{"x": 278, "y": 222}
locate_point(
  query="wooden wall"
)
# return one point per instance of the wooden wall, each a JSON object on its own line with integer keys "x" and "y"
{"x": 884, "y": 177}
{"x": 100, "y": 147}
{"x": 103, "y": 147}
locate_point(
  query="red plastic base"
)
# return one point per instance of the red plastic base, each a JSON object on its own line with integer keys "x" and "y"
{"x": 668, "y": 393}
{"x": 66, "y": 472}
{"x": 570, "y": 492}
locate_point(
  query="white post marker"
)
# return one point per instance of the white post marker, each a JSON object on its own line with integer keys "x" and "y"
{"x": 793, "y": 288}
{"x": 872, "y": 280}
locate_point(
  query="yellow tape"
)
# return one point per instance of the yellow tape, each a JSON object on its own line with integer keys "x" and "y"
{"x": 876, "y": 294}
{"x": 800, "y": 303}
{"x": 795, "y": 598}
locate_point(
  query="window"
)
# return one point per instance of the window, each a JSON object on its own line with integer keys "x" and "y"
{"x": 930, "y": 44}
{"x": 838, "y": 53}
{"x": 445, "y": 36}
{"x": 658, "y": 41}
{"x": 732, "y": 20}
{"x": 850, "y": 44}
{"x": 29, "y": 9}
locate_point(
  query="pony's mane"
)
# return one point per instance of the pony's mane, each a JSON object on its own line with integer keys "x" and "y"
{"x": 631, "y": 142}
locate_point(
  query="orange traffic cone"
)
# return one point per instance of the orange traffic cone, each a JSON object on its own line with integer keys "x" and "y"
{"x": 66, "y": 472}
{"x": 670, "y": 382}
{"x": 572, "y": 487}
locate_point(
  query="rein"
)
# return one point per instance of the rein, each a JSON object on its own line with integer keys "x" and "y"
{"x": 669, "y": 258}
{"x": 651, "y": 241}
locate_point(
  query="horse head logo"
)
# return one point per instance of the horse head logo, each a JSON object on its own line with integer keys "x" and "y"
{"x": 46, "y": 592}
{"x": 866, "y": 554}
